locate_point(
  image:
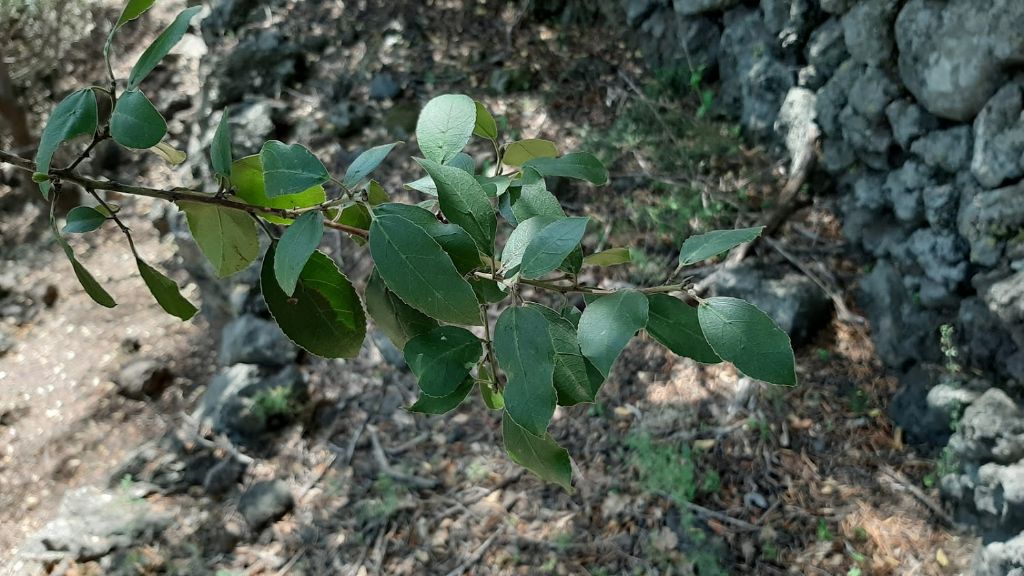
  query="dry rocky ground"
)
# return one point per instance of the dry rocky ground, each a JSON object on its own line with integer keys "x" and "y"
{"x": 682, "y": 469}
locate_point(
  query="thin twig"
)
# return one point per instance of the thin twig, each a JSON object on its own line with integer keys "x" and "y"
{"x": 905, "y": 482}
{"x": 388, "y": 470}
{"x": 477, "y": 554}
{"x": 842, "y": 310}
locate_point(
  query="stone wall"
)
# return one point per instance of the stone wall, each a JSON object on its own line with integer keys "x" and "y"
{"x": 919, "y": 107}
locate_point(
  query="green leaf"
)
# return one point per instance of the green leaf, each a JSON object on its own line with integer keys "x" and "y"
{"x": 524, "y": 351}
{"x": 699, "y": 248}
{"x": 519, "y": 240}
{"x": 160, "y": 47}
{"x": 522, "y": 151}
{"x": 463, "y": 162}
{"x": 296, "y": 245}
{"x": 396, "y": 319}
{"x": 220, "y": 148}
{"x": 488, "y": 291}
{"x": 75, "y": 115}
{"x": 464, "y": 203}
{"x": 91, "y": 286}
{"x": 169, "y": 153}
{"x": 674, "y": 323}
{"x": 430, "y": 405}
{"x": 83, "y": 219}
{"x": 608, "y": 324}
{"x": 366, "y": 163}
{"x": 742, "y": 334}
{"x": 415, "y": 267}
{"x": 576, "y": 379}
{"x": 132, "y": 10}
{"x": 491, "y": 397}
{"x": 442, "y": 359}
{"x": 423, "y": 185}
{"x": 227, "y": 237}
{"x": 549, "y": 247}
{"x": 135, "y": 122}
{"x": 166, "y": 292}
{"x": 533, "y": 199}
{"x": 542, "y": 456}
{"x": 609, "y": 257}
{"x": 485, "y": 126}
{"x": 324, "y": 316}
{"x": 494, "y": 186}
{"x": 375, "y": 193}
{"x": 247, "y": 181}
{"x": 290, "y": 169}
{"x": 357, "y": 215}
{"x": 445, "y": 126}
{"x": 455, "y": 241}
{"x": 581, "y": 166}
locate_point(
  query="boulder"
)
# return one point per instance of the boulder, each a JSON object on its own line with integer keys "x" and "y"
{"x": 249, "y": 339}
{"x": 1005, "y": 300}
{"x": 988, "y": 218}
{"x": 909, "y": 121}
{"x": 753, "y": 80}
{"x": 694, "y": 7}
{"x": 1000, "y": 558}
{"x": 868, "y": 31}
{"x": 92, "y": 523}
{"x": 245, "y": 402}
{"x": 953, "y": 54}
{"x": 265, "y": 502}
{"x": 788, "y": 20}
{"x": 991, "y": 430}
{"x": 837, "y": 6}
{"x": 999, "y": 138}
{"x": 942, "y": 256}
{"x": 904, "y": 187}
{"x": 824, "y": 52}
{"x": 904, "y": 332}
{"x": 927, "y": 411}
{"x": 941, "y": 204}
{"x": 948, "y": 150}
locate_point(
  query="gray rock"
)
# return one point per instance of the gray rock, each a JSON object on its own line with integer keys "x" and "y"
{"x": 837, "y": 156}
{"x": 927, "y": 411}
{"x": 788, "y": 20}
{"x": 868, "y": 31}
{"x": 638, "y": 10}
{"x": 753, "y": 81}
{"x": 991, "y": 430}
{"x": 942, "y": 255}
{"x": 143, "y": 378}
{"x": 904, "y": 187}
{"x": 252, "y": 340}
{"x": 1000, "y": 558}
{"x": 1005, "y": 299}
{"x": 6, "y": 342}
{"x": 232, "y": 402}
{"x": 694, "y": 7}
{"x": 673, "y": 42}
{"x": 940, "y": 205}
{"x": 834, "y": 95}
{"x": 825, "y": 51}
{"x": 252, "y": 124}
{"x": 264, "y": 62}
{"x": 953, "y": 55}
{"x": 796, "y": 304}
{"x": 92, "y": 523}
{"x": 903, "y": 332}
{"x": 837, "y": 6}
{"x": 948, "y": 150}
{"x": 265, "y": 502}
{"x": 384, "y": 86}
{"x": 223, "y": 476}
{"x": 988, "y": 218}
{"x": 999, "y": 140}
{"x": 909, "y": 121}
{"x": 981, "y": 341}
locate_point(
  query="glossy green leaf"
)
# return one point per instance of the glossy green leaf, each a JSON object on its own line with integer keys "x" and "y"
{"x": 485, "y": 126}
{"x": 135, "y": 122}
{"x": 161, "y": 46}
{"x": 227, "y": 237}
{"x": 415, "y": 267}
{"x": 423, "y": 185}
{"x": 522, "y": 151}
{"x": 247, "y": 181}
{"x": 220, "y": 148}
{"x": 518, "y": 240}
{"x": 744, "y": 335}
{"x": 581, "y": 166}
{"x": 290, "y": 169}
{"x": 132, "y": 10}
{"x": 464, "y": 202}
{"x": 75, "y": 115}
{"x": 445, "y": 126}
{"x": 396, "y": 319}
{"x": 366, "y": 163}
{"x": 296, "y": 245}
{"x": 533, "y": 199}
{"x": 442, "y": 359}
{"x": 542, "y": 455}
{"x": 608, "y": 324}
{"x": 522, "y": 345}
{"x": 324, "y": 316}
{"x": 699, "y": 248}
{"x": 551, "y": 245}
{"x": 431, "y": 405}
{"x": 609, "y": 257}
{"x": 463, "y": 162}
{"x": 375, "y": 193}
{"x": 491, "y": 397}
{"x": 576, "y": 379}
{"x": 83, "y": 219}
{"x": 488, "y": 291}
{"x": 91, "y": 286}
{"x": 494, "y": 186}
{"x": 455, "y": 241}
{"x": 166, "y": 292}
{"x": 675, "y": 325}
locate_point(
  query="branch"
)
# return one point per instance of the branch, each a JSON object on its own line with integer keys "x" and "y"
{"x": 172, "y": 195}
{"x": 577, "y": 289}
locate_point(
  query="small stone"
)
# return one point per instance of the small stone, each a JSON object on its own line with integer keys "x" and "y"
{"x": 265, "y": 502}
{"x": 223, "y": 476}
{"x": 384, "y": 87}
{"x": 252, "y": 340}
{"x": 143, "y": 378}
{"x": 999, "y": 138}
{"x": 909, "y": 121}
{"x": 948, "y": 150}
